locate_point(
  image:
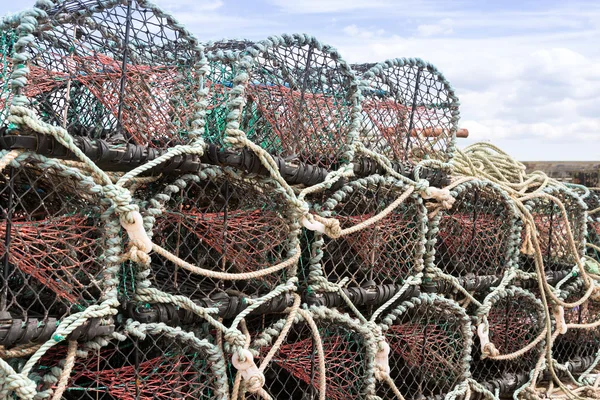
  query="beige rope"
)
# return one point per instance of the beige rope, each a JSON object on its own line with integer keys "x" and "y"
{"x": 225, "y": 275}
{"x": 283, "y": 334}
{"x": 8, "y": 158}
{"x": 66, "y": 372}
{"x": 19, "y": 351}
{"x": 332, "y": 225}
{"x": 320, "y": 353}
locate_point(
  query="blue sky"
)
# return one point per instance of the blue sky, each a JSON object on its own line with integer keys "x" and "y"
{"x": 527, "y": 72}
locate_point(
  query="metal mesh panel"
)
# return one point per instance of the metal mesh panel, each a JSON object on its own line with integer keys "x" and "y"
{"x": 157, "y": 367}
{"x": 293, "y": 372}
{"x": 552, "y": 228}
{"x": 114, "y": 70}
{"x": 430, "y": 342}
{"x": 578, "y": 342}
{"x": 515, "y": 319}
{"x": 387, "y": 251}
{"x": 478, "y": 235}
{"x": 299, "y": 100}
{"x": 223, "y": 224}
{"x": 51, "y": 240}
{"x": 410, "y": 112}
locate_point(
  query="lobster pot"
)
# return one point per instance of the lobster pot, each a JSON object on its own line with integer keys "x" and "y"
{"x": 386, "y": 252}
{"x": 300, "y": 101}
{"x": 479, "y": 235}
{"x": 430, "y": 343}
{"x": 108, "y": 71}
{"x": 409, "y": 110}
{"x": 157, "y": 366}
{"x": 515, "y": 319}
{"x": 51, "y": 242}
{"x": 552, "y": 229}
{"x": 224, "y": 224}
{"x": 578, "y": 343}
{"x": 293, "y": 372}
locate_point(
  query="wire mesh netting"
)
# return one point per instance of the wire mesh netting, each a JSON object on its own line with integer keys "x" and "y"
{"x": 225, "y": 224}
{"x": 410, "y": 111}
{"x": 385, "y": 252}
{"x": 51, "y": 241}
{"x": 553, "y": 227}
{"x": 294, "y": 372}
{"x": 300, "y": 100}
{"x": 430, "y": 346}
{"x": 479, "y": 235}
{"x": 120, "y": 71}
{"x": 515, "y": 320}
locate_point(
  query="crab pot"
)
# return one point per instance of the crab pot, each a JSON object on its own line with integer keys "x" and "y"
{"x": 300, "y": 100}
{"x": 115, "y": 70}
{"x": 224, "y": 224}
{"x": 516, "y": 318}
{"x": 578, "y": 342}
{"x": 479, "y": 235}
{"x": 293, "y": 372}
{"x": 430, "y": 343}
{"x": 552, "y": 230}
{"x": 386, "y": 252}
{"x": 410, "y": 111}
{"x": 158, "y": 367}
{"x": 51, "y": 239}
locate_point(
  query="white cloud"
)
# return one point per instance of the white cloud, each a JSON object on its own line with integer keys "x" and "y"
{"x": 444, "y": 27}
{"x": 328, "y": 6}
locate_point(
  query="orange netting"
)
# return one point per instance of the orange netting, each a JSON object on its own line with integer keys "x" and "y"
{"x": 58, "y": 252}
{"x": 342, "y": 361}
{"x": 386, "y": 247}
{"x": 247, "y": 240}
{"x": 304, "y": 124}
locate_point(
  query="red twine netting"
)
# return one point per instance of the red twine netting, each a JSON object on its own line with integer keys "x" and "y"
{"x": 246, "y": 240}
{"x": 305, "y": 124}
{"x": 167, "y": 376}
{"x": 428, "y": 347}
{"x": 391, "y": 120}
{"x": 58, "y": 252}
{"x": 476, "y": 245}
{"x": 152, "y": 96}
{"x": 342, "y": 360}
{"x": 386, "y": 246}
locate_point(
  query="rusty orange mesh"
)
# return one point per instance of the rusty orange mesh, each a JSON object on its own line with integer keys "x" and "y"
{"x": 343, "y": 363}
{"x": 381, "y": 245}
{"x": 58, "y": 252}
{"x": 247, "y": 240}
{"x": 302, "y": 124}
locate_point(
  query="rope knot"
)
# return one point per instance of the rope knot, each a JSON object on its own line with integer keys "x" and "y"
{"x": 382, "y": 361}
{"x": 329, "y": 226}
{"x": 442, "y": 196}
{"x": 559, "y": 318}
{"x": 487, "y": 348}
{"x": 422, "y": 185}
{"x": 24, "y": 387}
{"x": 253, "y": 378}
